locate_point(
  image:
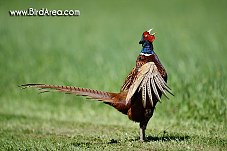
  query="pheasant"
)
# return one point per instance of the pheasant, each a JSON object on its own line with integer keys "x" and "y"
{"x": 141, "y": 91}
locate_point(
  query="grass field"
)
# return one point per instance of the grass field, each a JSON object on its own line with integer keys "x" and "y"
{"x": 97, "y": 50}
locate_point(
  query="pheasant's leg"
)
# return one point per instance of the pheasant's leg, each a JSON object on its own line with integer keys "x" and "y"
{"x": 143, "y": 124}
{"x": 142, "y": 131}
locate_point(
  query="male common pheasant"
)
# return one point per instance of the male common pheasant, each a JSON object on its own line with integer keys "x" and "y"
{"x": 140, "y": 92}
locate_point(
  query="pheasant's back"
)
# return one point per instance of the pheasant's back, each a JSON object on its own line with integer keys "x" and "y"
{"x": 141, "y": 60}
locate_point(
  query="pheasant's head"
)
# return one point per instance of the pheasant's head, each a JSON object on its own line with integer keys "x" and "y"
{"x": 147, "y": 37}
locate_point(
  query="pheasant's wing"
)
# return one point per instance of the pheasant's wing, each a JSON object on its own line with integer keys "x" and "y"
{"x": 149, "y": 81}
{"x": 129, "y": 80}
{"x": 94, "y": 94}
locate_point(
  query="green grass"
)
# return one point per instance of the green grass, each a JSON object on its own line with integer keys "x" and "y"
{"x": 97, "y": 50}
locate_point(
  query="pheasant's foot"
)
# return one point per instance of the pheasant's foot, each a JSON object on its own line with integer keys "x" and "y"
{"x": 142, "y": 134}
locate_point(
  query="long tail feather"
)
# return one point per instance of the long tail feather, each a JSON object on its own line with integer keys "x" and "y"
{"x": 94, "y": 94}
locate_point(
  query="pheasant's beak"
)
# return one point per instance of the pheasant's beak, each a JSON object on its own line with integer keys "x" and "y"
{"x": 141, "y": 41}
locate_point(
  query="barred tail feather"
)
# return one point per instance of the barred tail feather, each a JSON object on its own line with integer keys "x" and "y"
{"x": 93, "y": 94}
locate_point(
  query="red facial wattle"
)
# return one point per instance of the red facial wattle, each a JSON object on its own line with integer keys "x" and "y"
{"x": 147, "y": 36}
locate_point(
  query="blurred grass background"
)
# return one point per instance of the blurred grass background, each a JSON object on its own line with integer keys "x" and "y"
{"x": 97, "y": 50}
